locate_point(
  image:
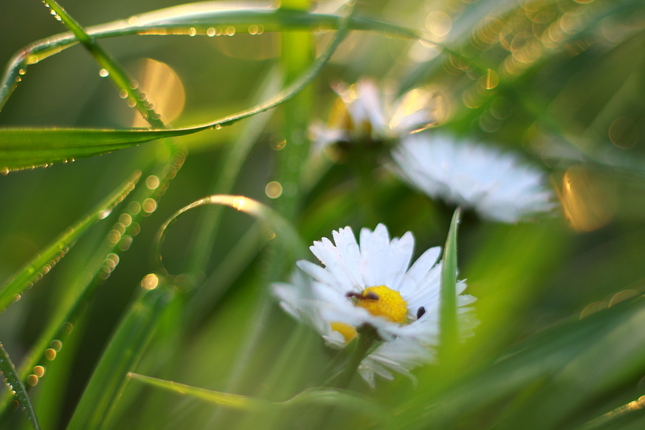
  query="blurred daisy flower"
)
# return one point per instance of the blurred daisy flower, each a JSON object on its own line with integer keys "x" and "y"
{"x": 373, "y": 284}
{"x": 362, "y": 115}
{"x": 499, "y": 186}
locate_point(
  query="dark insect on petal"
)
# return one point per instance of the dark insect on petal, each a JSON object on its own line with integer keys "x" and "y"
{"x": 420, "y": 312}
{"x": 371, "y": 296}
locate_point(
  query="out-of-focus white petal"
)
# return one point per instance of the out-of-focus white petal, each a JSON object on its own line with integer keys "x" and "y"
{"x": 499, "y": 186}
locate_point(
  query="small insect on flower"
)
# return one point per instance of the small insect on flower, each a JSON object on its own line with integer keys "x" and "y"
{"x": 372, "y": 283}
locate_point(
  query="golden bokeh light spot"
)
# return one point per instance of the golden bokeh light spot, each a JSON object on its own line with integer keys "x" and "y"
{"x": 273, "y": 189}
{"x": 163, "y": 88}
{"x": 587, "y": 202}
{"x": 438, "y": 24}
{"x": 150, "y": 282}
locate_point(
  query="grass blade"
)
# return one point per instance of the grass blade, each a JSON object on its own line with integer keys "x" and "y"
{"x": 281, "y": 227}
{"x": 22, "y": 148}
{"x": 12, "y": 379}
{"x": 116, "y": 73}
{"x": 202, "y": 18}
{"x": 314, "y": 396}
{"x": 42, "y": 263}
{"x": 121, "y": 356}
{"x": 448, "y": 331}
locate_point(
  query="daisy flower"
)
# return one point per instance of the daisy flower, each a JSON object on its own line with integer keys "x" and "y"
{"x": 499, "y": 186}
{"x": 372, "y": 283}
{"x": 362, "y": 115}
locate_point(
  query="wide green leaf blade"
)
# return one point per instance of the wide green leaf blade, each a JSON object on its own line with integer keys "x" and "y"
{"x": 42, "y": 263}
{"x": 12, "y": 379}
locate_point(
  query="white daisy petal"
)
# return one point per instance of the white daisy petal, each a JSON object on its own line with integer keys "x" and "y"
{"x": 405, "y": 312}
{"x": 497, "y": 185}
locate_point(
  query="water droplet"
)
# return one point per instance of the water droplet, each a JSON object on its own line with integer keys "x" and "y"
{"x": 22, "y": 72}
{"x": 152, "y": 182}
{"x": 67, "y": 329}
{"x": 53, "y": 12}
{"x": 18, "y": 79}
{"x": 105, "y": 213}
{"x": 253, "y": 29}
{"x": 32, "y": 380}
{"x": 230, "y": 30}
{"x": 149, "y": 206}
{"x": 218, "y": 127}
{"x": 104, "y": 73}
{"x": 4, "y": 170}
{"x": 192, "y": 32}
{"x": 123, "y": 94}
{"x": 150, "y": 282}
{"x": 39, "y": 371}
{"x": 50, "y": 354}
{"x": 125, "y": 219}
{"x": 210, "y": 32}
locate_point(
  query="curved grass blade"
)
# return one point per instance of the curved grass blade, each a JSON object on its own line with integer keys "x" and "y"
{"x": 313, "y": 396}
{"x": 42, "y": 263}
{"x": 201, "y": 18}
{"x": 448, "y": 309}
{"x": 121, "y": 356}
{"x": 28, "y": 148}
{"x": 116, "y": 73}
{"x": 281, "y": 227}
{"x": 13, "y": 381}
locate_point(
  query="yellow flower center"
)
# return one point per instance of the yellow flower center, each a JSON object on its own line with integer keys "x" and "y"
{"x": 348, "y": 331}
{"x": 383, "y": 302}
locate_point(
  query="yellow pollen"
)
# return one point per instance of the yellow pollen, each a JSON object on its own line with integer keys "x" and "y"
{"x": 384, "y": 302}
{"x": 348, "y": 331}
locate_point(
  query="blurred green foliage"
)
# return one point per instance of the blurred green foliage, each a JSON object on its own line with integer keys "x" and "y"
{"x": 560, "y": 344}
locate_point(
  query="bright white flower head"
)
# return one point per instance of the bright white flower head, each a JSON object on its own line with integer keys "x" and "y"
{"x": 373, "y": 283}
{"x": 362, "y": 115}
{"x": 499, "y": 186}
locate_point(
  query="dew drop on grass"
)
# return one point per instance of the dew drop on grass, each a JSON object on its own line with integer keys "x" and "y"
{"x": 4, "y": 170}
{"x": 50, "y": 354}
{"x": 192, "y": 32}
{"x": 210, "y": 32}
{"x": 22, "y": 72}
{"x": 218, "y": 127}
{"x": 104, "y": 73}
{"x": 230, "y": 30}
{"x": 123, "y": 94}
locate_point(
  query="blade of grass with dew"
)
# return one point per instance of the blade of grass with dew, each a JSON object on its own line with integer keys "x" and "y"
{"x": 318, "y": 396}
{"x": 116, "y": 73}
{"x": 105, "y": 257}
{"x": 27, "y": 148}
{"x": 44, "y": 261}
{"x": 201, "y": 18}
{"x": 448, "y": 330}
{"x": 14, "y": 383}
{"x": 121, "y": 356}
